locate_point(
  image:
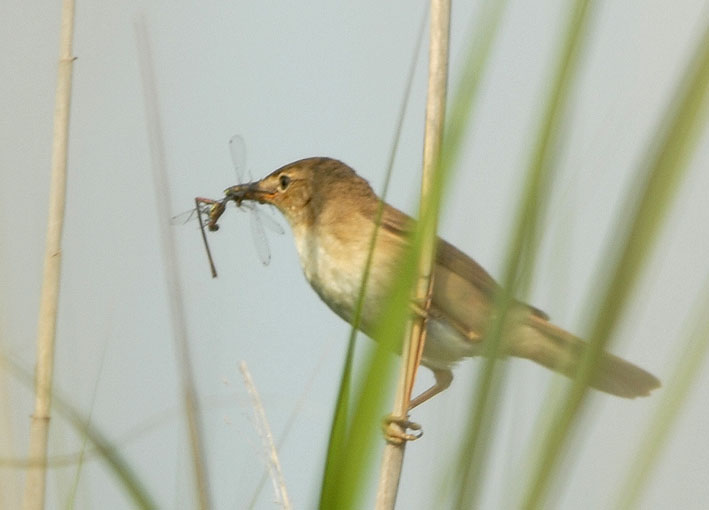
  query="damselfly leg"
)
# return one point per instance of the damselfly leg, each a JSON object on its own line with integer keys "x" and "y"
{"x": 213, "y": 209}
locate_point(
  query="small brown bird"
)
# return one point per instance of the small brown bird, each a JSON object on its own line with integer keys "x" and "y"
{"x": 332, "y": 211}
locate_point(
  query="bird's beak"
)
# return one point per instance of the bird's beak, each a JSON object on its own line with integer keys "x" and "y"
{"x": 249, "y": 191}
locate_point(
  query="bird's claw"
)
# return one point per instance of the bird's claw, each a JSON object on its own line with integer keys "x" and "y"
{"x": 395, "y": 427}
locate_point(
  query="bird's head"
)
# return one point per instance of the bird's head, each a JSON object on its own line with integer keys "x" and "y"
{"x": 301, "y": 190}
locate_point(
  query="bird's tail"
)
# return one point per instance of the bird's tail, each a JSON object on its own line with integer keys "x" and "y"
{"x": 552, "y": 347}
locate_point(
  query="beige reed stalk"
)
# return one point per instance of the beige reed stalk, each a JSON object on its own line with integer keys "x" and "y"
{"x": 393, "y": 456}
{"x": 269, "y": 445}
{"x": 39, "y": 428}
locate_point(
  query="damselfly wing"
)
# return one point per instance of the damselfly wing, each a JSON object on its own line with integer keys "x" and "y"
{"x": 237, "y": 149}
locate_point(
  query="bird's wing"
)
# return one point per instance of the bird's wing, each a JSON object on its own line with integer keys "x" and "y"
{"x": 463, "y": 292}
{"x": 447, "y": 255}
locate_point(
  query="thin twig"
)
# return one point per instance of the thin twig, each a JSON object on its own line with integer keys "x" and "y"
{"x": 36, "y": 476}
{"x": 274, "y": 465}
{"x": 294, "y": 414}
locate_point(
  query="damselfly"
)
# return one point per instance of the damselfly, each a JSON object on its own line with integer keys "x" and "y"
{"x": 213, "y": 210}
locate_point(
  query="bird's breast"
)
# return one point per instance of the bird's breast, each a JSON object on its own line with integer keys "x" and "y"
{"x": 334, "y": 267}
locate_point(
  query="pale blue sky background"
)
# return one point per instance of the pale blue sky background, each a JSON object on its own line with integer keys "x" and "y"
{"x": 324, "y": 78}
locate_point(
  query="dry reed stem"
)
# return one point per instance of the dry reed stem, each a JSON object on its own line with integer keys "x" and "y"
{"x": 264, "y": 430}
{"x": 35, "y": 482}
{"x": 393, "y": 456}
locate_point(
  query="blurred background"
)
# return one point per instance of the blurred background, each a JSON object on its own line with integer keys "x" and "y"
{"x": 326, "y": 79}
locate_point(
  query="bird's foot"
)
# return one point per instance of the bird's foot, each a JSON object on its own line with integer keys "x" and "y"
{"x": 395, "y": 427}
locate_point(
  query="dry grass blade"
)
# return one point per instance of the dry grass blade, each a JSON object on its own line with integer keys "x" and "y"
{"x": 294, "y": 414}
{"x": 264, "y": 430}
{"x": 174, "y": 290}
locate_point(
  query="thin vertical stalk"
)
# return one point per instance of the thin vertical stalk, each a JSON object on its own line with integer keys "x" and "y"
{"x": 658, "y": 180}
{"x": 35, "y": 481}
{"x": 269, "y": 445}
{"x": 172, "y": 282}
{"x": 349, "y": 443}
{"x": 393, "y": 456}
{"x": 520, "y": 259}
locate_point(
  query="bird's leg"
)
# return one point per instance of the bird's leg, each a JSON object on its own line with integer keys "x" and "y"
{"x": 443, "y": 380}
{"x": 444, "y": 377}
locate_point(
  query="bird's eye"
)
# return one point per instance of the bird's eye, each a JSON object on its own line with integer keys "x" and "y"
{"x": 284, "y": 181}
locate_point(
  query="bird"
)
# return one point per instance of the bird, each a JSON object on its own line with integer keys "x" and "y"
{"x": 332, "y": 213}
